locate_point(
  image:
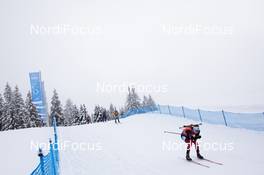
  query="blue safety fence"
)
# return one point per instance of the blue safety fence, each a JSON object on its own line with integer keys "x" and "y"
{"x": 253, "y": 121}
{"x": 49, "y": 164}
{"x": 140, "y": 111}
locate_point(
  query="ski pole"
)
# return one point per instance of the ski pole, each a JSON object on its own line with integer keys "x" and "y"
{"x": 168, "y": 132}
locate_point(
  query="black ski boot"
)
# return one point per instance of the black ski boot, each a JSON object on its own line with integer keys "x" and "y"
{"x": 188, "y": 155}
{"x": 199, "y": 155}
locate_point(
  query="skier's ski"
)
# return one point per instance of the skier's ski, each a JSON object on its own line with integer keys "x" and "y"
{"x": 197, "y": 163}
{"x": 211, "y": 161}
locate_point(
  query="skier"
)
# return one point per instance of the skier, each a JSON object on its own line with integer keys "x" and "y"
{"x": 116, "y": 116}
{"x": 189, "y": 135}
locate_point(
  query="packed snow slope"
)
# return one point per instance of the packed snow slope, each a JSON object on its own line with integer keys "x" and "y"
{"x": 136, "y": 146}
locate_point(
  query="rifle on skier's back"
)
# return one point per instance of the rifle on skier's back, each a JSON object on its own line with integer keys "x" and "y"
{"x": 191, "y": 125}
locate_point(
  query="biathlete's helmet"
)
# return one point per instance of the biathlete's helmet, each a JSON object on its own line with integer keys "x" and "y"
{"x": 196, "y": 129}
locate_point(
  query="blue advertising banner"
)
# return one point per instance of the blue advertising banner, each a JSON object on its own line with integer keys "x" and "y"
{"x": 36, "y": 90}
{"x": 38, "y": 94}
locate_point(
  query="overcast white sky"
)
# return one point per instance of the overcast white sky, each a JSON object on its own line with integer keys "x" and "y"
{"x": 131, "y": 43}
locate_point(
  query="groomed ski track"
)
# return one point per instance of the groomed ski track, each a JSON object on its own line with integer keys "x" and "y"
{"x": 137, "y": 146}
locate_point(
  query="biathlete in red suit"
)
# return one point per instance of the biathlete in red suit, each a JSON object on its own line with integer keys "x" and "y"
{"x": 189, "y": 135}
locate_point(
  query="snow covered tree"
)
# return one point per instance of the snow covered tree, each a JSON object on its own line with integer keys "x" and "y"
{"x": 149, "y": 103}
{"x": 1, "y": 110}
{"x": 133, "y": 100}
{"x": 31, "y": 112}
{"x": 105, "y": 115}
{"x": 98, "y": 114}
{"x": 8, "y": 121}
{"x": 56, "y": 109}
{"x": 68, "y": 113}
{"x": 76, "y": 116}
{"x": 121, "y": 111}
{"x": 8, "y": 95}
{"x": 145, "y": 101}
{"x": 88, "y": 117}
{"x": 84, "y": 117}
{"x": 14, "y": 114}
{"x": 20, "y": 117}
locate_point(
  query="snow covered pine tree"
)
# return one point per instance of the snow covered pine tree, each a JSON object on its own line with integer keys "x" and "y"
{"x": 56, "y": 110}
{"x": 31, "y": 112}
{"x": 68, "y": 112}
{"x": 132, "y": 101}
{"x": 84, "y": 117}
{"x": 148, "y": 103}
{"x": 1, "y": 110}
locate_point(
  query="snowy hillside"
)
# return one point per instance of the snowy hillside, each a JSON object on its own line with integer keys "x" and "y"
{"x": 137, "y": 146}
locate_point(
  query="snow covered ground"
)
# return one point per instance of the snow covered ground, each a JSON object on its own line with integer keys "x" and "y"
{"x": 137, "y": 146}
